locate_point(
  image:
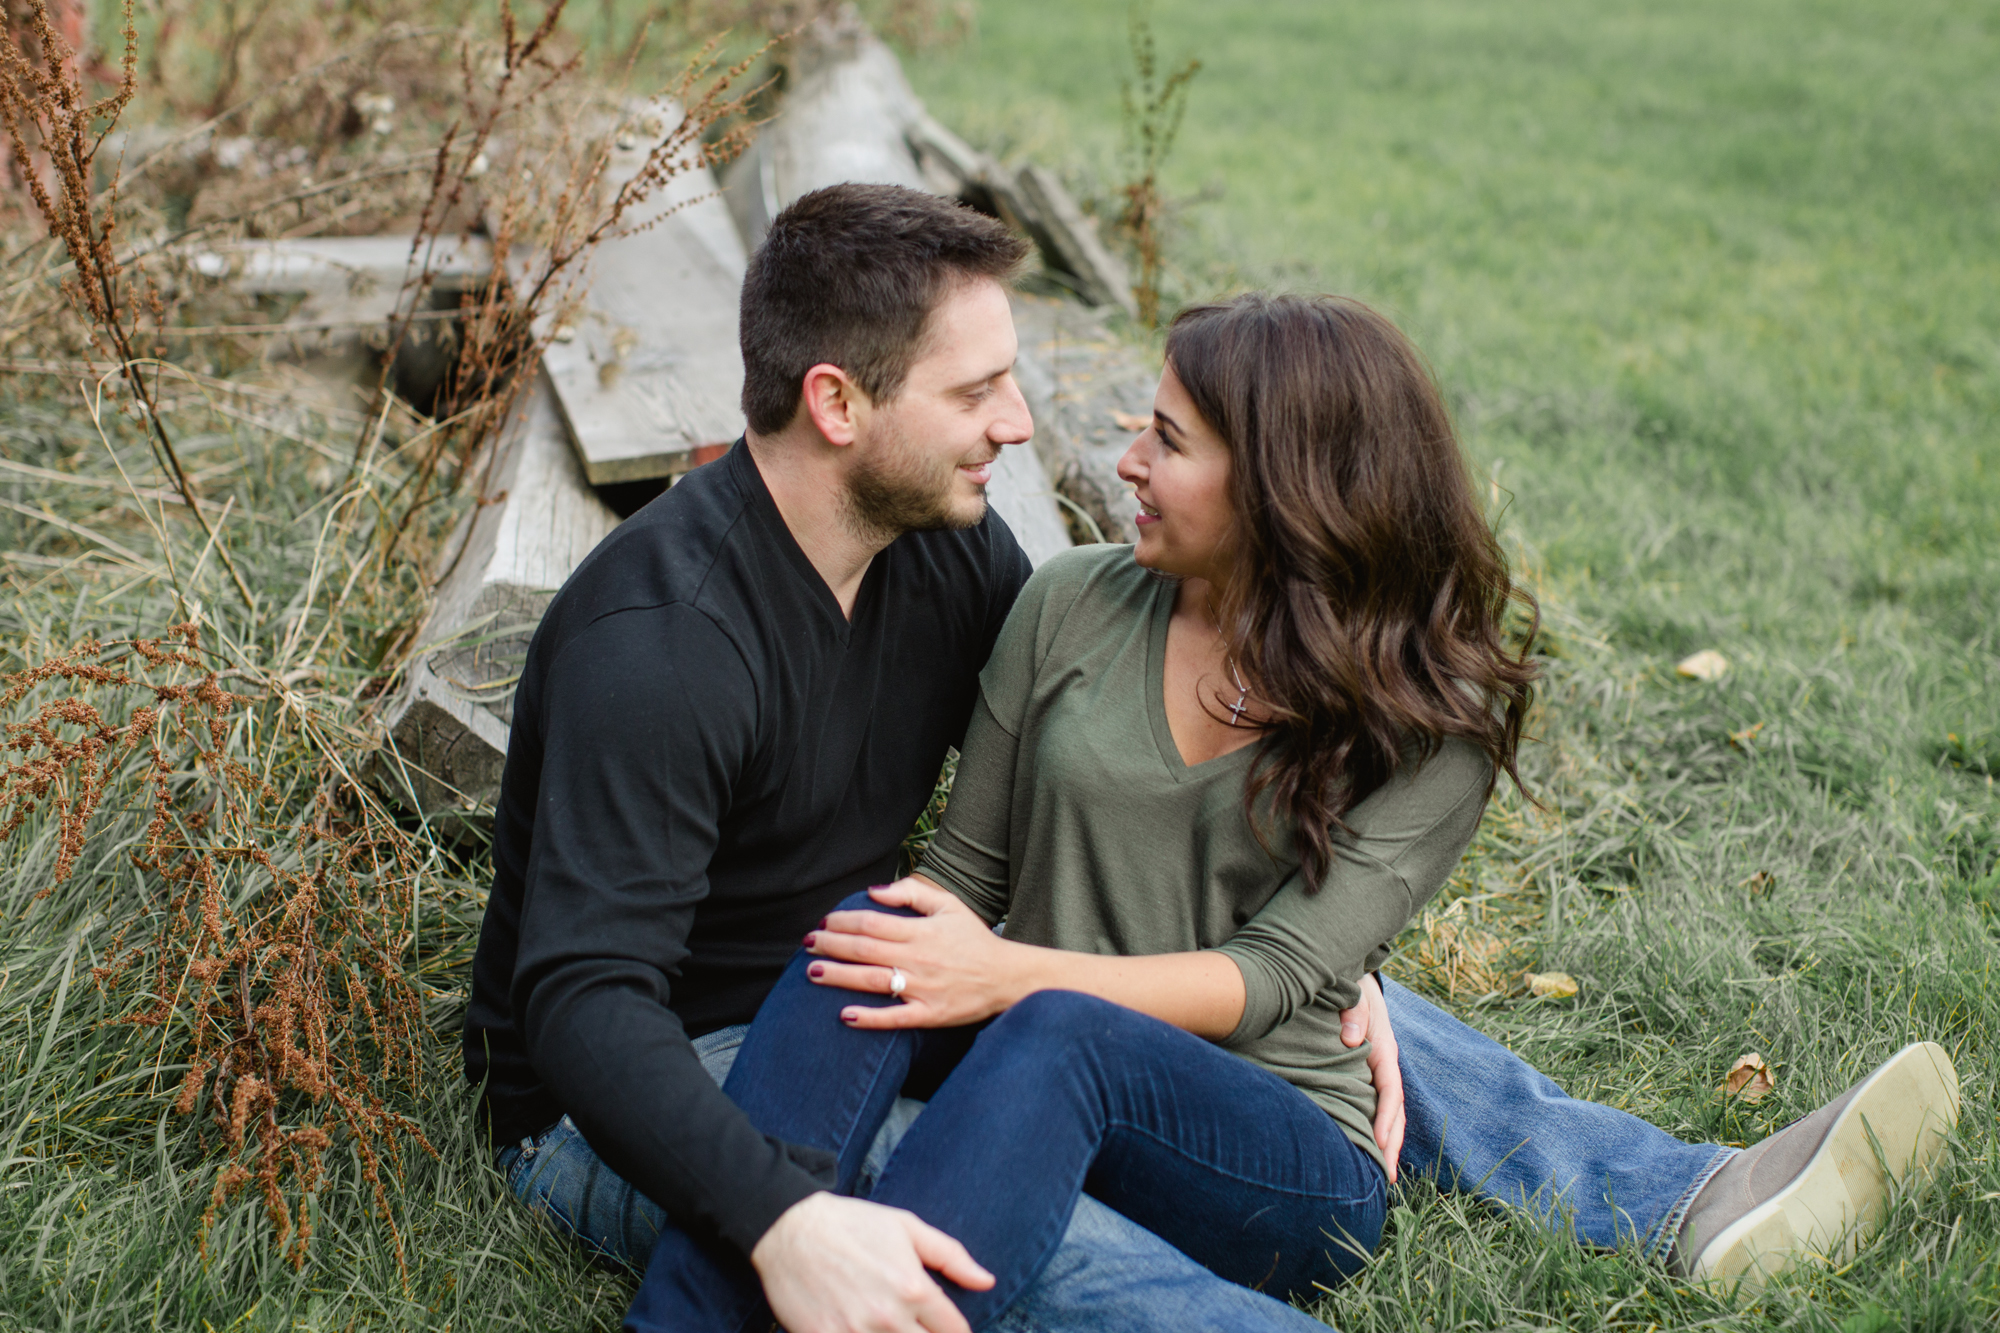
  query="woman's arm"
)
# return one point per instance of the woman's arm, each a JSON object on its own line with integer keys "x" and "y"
{"x": 957, "y": 971}
{"x": 1302, "y": 944}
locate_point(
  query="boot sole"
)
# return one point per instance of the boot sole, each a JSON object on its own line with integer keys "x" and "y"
{"x": 1908, "y": 1108}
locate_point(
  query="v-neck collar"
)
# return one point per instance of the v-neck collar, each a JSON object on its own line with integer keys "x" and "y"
{"x": 1156, "y": 696}
{"x": 744, "y": 470}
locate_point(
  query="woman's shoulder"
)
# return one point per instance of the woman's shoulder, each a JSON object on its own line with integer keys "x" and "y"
{"x": 1079, "y": 591}
{"x": 1101, "y": 569}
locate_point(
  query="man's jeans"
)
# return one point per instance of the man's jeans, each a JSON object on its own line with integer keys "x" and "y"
{"x": 1480, "y": 1120}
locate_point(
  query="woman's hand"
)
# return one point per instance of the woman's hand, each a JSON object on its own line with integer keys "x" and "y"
{"x": 1368, "y": 1021}
{"x": 956, "y": 970}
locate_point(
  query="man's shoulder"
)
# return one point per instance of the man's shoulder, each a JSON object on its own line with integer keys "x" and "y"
{"x": 666, "y": 553}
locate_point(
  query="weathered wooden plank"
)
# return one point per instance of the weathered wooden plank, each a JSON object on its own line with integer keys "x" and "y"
{"x": 354, "y": 279}
{"x": 1020, "y": 493}
{"x": 849, "y": 115}
{"x": 537, "y": 520}
{"x": 1032, "y": 200}
{"x": 1069, "y": 240}
{"x": 1079, "y": 380}
{"x": 845, "y": 116}
{"x": 952, "y": 166}
{"x": 649, "y": 376}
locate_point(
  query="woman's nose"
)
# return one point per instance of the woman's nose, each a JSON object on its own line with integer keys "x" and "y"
{"x": 1132, "y": 465}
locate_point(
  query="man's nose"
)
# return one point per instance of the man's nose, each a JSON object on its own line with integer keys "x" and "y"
{"x": 1014, "y": 424}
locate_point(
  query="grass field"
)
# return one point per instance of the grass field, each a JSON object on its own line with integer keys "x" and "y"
{"x": 1715, "y": 293}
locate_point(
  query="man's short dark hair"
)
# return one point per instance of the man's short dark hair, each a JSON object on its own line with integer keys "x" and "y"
{"x": 848, "y": 276}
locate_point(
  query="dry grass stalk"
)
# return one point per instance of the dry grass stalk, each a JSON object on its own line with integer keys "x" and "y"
{"x": 1456, "y": 956}
{"x": 271, "y": 948}
{"x": 48, "y": 114}
{"x": 1154, "y": 106}
{"x": 552, "y": 207}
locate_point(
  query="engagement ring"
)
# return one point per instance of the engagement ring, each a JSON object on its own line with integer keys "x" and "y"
{"x": 897, "y": 981}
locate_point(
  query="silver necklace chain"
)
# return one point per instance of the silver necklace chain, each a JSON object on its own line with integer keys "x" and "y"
{"x": 1241, "y": 706}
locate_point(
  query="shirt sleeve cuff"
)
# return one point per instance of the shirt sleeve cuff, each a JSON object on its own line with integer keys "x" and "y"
{"x": 1263, "y": 1002}
{"x": 754, "y": 1210}
{"x": 961, "y": 887}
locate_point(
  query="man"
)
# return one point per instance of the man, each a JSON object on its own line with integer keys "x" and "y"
{"x": 728, "y": 719}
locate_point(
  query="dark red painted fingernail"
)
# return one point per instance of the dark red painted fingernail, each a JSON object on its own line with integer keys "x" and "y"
{"x": 816, "y": 971}
{"x": 848, "y": 1016}
{"x": 822, "y": 923}
{"x": 810, "y": 938}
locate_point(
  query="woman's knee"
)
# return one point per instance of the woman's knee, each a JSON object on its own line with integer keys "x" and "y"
{"x": 861, "y": 902}
{"x": 1071, "y": 1019}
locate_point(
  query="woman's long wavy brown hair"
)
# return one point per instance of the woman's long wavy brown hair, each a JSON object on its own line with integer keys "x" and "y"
{"x": 1368, "y": 605}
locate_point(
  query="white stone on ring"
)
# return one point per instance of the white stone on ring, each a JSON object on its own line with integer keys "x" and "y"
{"x": 897, "y": 981}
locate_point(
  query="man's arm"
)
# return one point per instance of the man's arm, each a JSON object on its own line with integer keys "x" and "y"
{"x": 647, "y": 725}
{"x": 648, "y": 720}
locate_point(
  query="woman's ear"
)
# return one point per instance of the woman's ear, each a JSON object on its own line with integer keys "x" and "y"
{"x": 834, "y": 402}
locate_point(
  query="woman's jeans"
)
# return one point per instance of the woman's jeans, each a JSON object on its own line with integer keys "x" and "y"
{"x": 1480, "y": 1120}
{"x": 1062, "y": 1093}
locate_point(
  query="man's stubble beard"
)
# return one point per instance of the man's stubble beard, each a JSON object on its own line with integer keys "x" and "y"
{"x": 900, "y": 490}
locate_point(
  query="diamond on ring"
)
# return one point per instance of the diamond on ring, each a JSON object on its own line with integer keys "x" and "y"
{"x": 897, "y": 981}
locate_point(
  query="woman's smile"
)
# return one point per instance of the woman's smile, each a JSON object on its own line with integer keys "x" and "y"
{"x": 1180, "y": 462}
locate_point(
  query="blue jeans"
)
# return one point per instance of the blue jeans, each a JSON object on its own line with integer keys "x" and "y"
{"x": 1484, "y": 1122}
{"x": 1062, "y": 1093}
{"x": 1109, "y": 1275}
{"x": 1480, "y": 1120}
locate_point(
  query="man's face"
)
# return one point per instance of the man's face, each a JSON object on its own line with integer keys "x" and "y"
{"x": 922, "y": 459}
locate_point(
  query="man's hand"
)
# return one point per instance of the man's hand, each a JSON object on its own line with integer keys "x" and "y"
{"x": 955, "y": 969}
{"x": 1369, "y": 1021}
{"x": 837, "y": 1265}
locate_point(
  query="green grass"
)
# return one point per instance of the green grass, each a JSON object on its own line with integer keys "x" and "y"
{"x": 1712, "y": 290}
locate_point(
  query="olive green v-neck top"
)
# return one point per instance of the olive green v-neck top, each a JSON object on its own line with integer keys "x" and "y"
{"x": 1074, "y": 819}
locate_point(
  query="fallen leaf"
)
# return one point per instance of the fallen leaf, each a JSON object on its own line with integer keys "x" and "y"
{"x": 1761, "y": 882}
{"x": 1130, "y": 421}
{"x": 1749, "y": 1079}
{"x": 1704, "y": 665}
{"x": 1741, "y": 739}
{"x": 1551, "y": 985}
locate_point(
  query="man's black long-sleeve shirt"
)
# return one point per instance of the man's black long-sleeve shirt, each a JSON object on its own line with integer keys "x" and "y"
{"x": 706, "y": 756}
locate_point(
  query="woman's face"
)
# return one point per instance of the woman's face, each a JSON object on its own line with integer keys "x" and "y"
{"x": 1180, "y": 468}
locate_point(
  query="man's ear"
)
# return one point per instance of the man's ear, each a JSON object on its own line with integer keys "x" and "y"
{"x": 835, "y": 403}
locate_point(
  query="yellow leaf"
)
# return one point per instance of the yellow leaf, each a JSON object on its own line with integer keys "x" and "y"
{"x": 1551, "y": 985}
{"x": 1749, "y": 1079}
{"x": 1704, "y": 665}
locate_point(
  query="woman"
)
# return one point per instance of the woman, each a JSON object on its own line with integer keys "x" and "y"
{"x": 1202, "y": 804}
